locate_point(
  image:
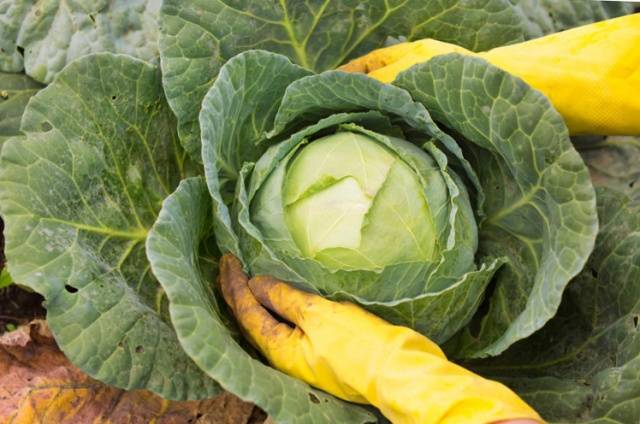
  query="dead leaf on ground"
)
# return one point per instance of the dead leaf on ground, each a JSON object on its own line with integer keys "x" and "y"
{"x": 39, "y": 385}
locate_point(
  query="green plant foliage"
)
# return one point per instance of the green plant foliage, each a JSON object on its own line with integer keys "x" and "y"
{"x": 5, "y": 279}
{"x": 199, "y": 36}
{"x": 613, "y": 162}
{"x": 584, "y": 365}
{"x": 42, "y": 37}
{"x": 451, "y": 201}
{"x": 79, "y": 192}
{"x": 549, "y": 16}
{"x": 511, "y": 151}
{"x": 540, "y": 216}
{"x": 15, "y": 92}
{"x": 204, "y": 329}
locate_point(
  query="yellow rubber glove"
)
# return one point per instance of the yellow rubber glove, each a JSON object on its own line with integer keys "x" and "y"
{"x": 591, "y": 73}
{"x": 352, "y": 354}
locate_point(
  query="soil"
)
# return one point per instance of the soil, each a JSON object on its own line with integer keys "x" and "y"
{"x": 17, "y": 306}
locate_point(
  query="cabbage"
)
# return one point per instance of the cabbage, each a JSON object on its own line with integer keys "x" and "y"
{"x": 351, "y": 203}
{"x": 408, "y": 199}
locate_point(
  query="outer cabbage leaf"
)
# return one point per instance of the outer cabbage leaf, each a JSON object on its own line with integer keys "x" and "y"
{"x": 198, "y": 36}
{"x": 12, "y": 13}
{"x": 42, "y": 37}
{"x": 584, "y": 365}
{"x": 540, "y": 204}
{"x": 203, "y": 327}
{"x": 549, "y": 16}
{"x": 613, "y": 163}
{"x": 78, "y": 194}
{"x": 258, "y": 79}
{"x": 15, "y": 92}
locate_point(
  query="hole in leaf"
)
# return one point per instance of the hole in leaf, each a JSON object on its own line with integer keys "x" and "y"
{"x": 257, "y": 416}
{"x": 114, "y": 97}
{"x": 314, "y": 398}
{"x": 70, "y": 289}
{"x": 46, "y": 126}
{"x": 139, "y": 349}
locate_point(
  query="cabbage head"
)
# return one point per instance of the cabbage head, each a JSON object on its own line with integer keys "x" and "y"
{"x": 351, "y": 202}
{"x": 450, "y": 201}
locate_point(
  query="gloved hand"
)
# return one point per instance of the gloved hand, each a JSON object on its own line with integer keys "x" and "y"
{"x": 354, "y": 355}
{"x": 591, "y": 73}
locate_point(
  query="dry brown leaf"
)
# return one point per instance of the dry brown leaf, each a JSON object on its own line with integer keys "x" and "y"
{"x": 39, "y": 385}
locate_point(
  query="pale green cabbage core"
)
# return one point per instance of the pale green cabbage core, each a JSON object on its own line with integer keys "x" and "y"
{"x": 351, "y": 203}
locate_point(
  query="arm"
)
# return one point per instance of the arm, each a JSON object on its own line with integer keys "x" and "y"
{"x": 346, "y": 351}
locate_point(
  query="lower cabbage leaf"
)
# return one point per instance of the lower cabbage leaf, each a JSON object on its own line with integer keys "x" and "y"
{"x": 198, "y": 36}
{"x": 79, "y": 191}
{"x": 584, "y": 365}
